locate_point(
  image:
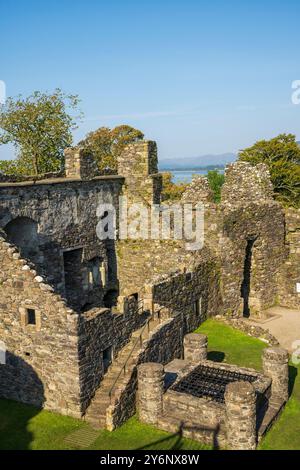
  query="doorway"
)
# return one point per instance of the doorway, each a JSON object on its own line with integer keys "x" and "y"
{"x": 246, "y": 284}
{"x": 107, "y": 358}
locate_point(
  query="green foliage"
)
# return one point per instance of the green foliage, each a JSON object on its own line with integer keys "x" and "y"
{"x": 39, "y": 127}
{"x": 172, "y": 191}
{"x": 107, "y": 144}
{"x": 282, "y": 156}
{"x": 216, "y": 180}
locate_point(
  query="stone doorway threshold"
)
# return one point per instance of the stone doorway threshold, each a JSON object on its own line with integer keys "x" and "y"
{"x": 267, "y": 317}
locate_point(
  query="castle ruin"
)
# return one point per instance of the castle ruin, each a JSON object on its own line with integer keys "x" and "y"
{"x": 79, "y": 314}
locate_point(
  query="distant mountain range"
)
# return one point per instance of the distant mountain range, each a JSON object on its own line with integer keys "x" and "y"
{"x": 194, "y": 163}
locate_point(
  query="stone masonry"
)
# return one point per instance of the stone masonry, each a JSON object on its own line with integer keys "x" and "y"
{"x": 195, "y": 347}
{"x": 238, "y": 422}
{"x": 71, "y": 303}
{"x": 240, "y": 403}
{"x": 150, "y": 396}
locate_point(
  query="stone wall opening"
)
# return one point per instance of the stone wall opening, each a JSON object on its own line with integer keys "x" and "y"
{"x": 110, "y": 299}
{"x": 22, "y": 232}
{"x": 73, "y": 274}
{"x": 94, "y": 272}
{"x": 246, "y": 283}
{"x": 107, "y": 358}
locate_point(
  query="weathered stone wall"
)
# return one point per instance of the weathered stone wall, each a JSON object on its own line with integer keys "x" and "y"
{"x": 260, "y": 227}
{"x": 246, "y": 183}
{"x": 289, "y": 274}
{"x": 252, "y": 243}
{"x": 79, "y": 164}
{"x": 98, "y": 331}
{"x": 143, "y": 262}
{"x": 65, "y": 213}
{"x": 42, "y": 358}
{"x": 195, "y": 293}
{"x": 164, "y": 345}
{"x": 198, "y": 191}
{"x": 138, "y": 163}
{"x": 58, "y": 362}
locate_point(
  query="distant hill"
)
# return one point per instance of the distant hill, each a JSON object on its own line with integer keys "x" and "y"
{"x": 194, "y": 163}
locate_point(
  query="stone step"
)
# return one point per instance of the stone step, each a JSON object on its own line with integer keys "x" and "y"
{"x": 98, "y": 422}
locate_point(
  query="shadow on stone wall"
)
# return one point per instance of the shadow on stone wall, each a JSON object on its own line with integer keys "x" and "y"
{"x": 176, "y": 441}
{"x": 19, "y": 382}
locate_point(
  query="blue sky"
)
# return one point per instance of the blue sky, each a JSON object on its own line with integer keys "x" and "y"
{"x": 196, "y": 76}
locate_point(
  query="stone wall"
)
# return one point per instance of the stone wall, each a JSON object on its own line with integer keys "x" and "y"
{"x": 56, "y": 363}
{"x": 164, "y": 345}
{"x": 42, "y": 358}
{"x": 79, "y": 164}
{"x": 246, "y": 183}
{"x": 100, "y": 330}
{"x": 138, "y": 163}
{"x": 232, "y": 421}
{"x": 251, "y": 246}
{"x": 252, "y": 252}
{"x": 289, "y": 274}
{"x": 65, "y": 215}
{"x": 195, "y": 293}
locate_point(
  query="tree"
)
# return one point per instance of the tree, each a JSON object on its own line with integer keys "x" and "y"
{"x": 216, "y": 180}
{"x": 106, "y": 144}
{"x": 39, "y": 127}
{"x": 172, "y": 191}
{"x": 282, "y": 156}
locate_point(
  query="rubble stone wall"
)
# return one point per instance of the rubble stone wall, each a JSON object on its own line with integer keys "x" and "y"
{"x": 289, "y": 274}
{"x": 65, "y": 214}
{"x": 100, "y": 330}
{"x": 42, "y": 359}
{"x": 263, "y": 225}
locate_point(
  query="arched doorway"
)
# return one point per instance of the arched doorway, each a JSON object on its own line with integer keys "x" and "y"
{"x": 22, "y": 232}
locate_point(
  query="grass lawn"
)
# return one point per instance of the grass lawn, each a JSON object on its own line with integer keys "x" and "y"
{"x": 25, "y": 427}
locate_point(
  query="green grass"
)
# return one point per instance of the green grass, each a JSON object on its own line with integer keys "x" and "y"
{"x": 25, "y": 427}
{"x": 229, "y": 345}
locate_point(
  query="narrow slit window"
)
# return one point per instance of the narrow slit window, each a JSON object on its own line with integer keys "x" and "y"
{"x": 31, "y": 317}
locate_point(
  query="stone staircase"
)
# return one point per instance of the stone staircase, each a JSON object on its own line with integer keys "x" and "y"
{"x": 116, "y": 377}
